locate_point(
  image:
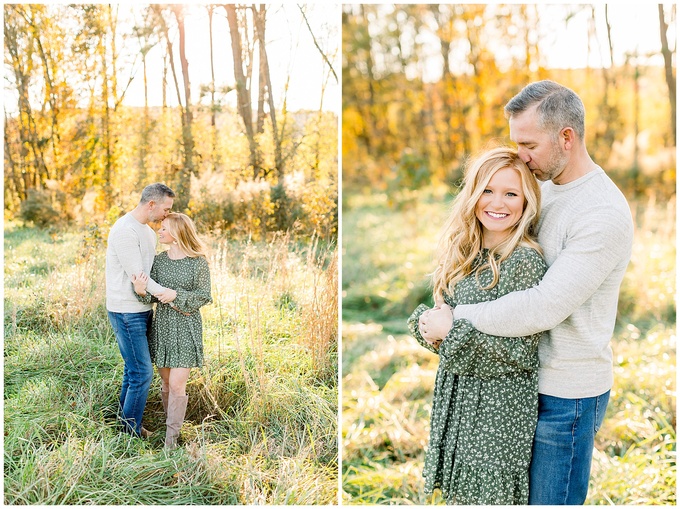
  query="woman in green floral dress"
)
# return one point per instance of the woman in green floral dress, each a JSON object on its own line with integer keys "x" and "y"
{"x": 176, "y": 336}
{"x": 485, "y": 402}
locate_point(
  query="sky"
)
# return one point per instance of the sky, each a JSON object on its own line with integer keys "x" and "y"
{"x": 634, "y": 27}
{"x": 564, "y": 44}
{"x": 291, "y": 52}
{"x": 298, "y": 71}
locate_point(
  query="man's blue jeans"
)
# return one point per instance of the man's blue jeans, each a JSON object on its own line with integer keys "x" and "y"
{"x": 563, "y": 449}
{"x": 130, "y": 330}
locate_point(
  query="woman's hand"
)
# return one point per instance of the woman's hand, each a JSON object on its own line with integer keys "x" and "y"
{"x": 140, "y": 283}
{"x": 167, "y": 296}
{"x": 436, "y": 323}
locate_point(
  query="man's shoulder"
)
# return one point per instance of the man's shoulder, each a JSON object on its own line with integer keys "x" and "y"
{"x": 122, "y": 222}
{"x": 126, "y": 226}
{"x": 597, "y": 191}
{"x": 128, "y": 222}
{"x": 606, "y": 203}
{"x": 604, "y": 183}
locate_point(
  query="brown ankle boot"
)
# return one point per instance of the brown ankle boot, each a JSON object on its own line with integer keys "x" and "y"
{"x": 177, "y": 408}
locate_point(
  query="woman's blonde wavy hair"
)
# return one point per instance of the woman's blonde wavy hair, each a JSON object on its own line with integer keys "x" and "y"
{"x": 460, "y": 241}
{"x": 183, "y": 230}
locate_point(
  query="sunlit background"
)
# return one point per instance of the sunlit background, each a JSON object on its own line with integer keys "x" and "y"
{"x": 297, "y": 68}
{"x": 100, "y": 101}
{"x": 424, "y": 88}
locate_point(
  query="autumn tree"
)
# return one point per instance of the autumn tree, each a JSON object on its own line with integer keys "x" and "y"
{"x": 148, "y": 38}
{"x": 73, "y": 150}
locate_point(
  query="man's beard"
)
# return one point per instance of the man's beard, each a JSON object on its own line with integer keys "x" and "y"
{"x": 558, "y": 162}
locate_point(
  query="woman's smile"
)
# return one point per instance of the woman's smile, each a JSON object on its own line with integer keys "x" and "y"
{"x": 497, "y": 215}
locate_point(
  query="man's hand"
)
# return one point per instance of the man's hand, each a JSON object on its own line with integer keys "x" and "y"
{"x": 140, "y": 281}
{"x": 436, "y": 323}
{"x": 167, "y": 296}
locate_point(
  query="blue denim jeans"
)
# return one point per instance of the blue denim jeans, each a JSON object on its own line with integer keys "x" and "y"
{"x": 130, "y": 330}
{"x": 563, "y": 449}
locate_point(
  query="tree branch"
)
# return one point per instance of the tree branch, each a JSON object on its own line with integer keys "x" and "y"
{"x": 304, "y": 16}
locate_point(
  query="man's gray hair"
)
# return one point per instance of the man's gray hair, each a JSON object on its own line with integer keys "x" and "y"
{"x": 156, "y": 192}
{"x": 558, "y": 107}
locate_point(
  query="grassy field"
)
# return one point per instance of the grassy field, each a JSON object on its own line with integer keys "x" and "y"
{"x": 388, "y": 378}
{"x": 261, "y": 422}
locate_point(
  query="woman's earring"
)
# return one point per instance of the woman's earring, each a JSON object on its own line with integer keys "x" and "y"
{"x": 174, "y": 242}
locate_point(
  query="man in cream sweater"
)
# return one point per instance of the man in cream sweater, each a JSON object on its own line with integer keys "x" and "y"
{"x": 130, "y": 251}
{"x": 586, "y": 233}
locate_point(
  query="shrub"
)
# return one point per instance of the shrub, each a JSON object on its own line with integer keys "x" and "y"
{"x": 38, "y": 208}
{"x": 257, "y": 209}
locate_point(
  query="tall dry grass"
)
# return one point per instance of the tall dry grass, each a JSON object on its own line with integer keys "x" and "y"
{"x": 261, "y": 422}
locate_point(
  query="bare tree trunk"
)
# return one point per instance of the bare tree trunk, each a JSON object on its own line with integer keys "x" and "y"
{"x": 263, "y": 70}
{"x": 113, "y": 26}
{"x": 143, "y": 149}
{"x": 668, "y": 65}
{"x": 187, "y": 135}
{"x": 13, "y": 184}
{"x": 605, "y": 134}
{"x": 106, "y": 120}
{"x": 144, "y": 145}
{"x": 443, "y": 137}
{"x": 164, "y": 83}
{"x": 182, "y": 187}
{"x": 213, "y": 105}
{"x": 636, "y": 107}
{"x": 609, "y": 110}
{"x": 52, "y": 95}
{"x": 370, "y": 120}
{"x": 242, "y": 93}
{"x": 474, "y": 59}
{"x": 146, "y": 33}
{"x": 260, "y": 22}
{"x": 169, "y": 55}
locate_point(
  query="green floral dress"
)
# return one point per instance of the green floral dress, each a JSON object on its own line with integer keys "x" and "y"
{"x": 485, "y": 403}
{"x": 176, "y": 336}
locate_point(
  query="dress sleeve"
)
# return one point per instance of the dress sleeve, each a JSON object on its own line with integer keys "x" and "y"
{"x": 188, "y": 301}
{"x": 415, "y": 330}
{"x": 467, "y": 351}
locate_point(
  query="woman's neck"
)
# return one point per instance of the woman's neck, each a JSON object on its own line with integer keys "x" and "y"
{"x": 175, "y": 252}
{"x": 490, "y": 240}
